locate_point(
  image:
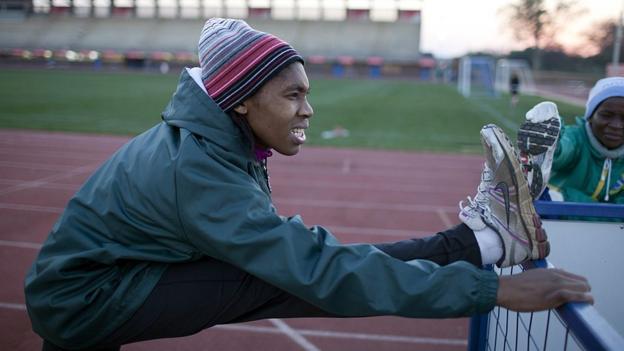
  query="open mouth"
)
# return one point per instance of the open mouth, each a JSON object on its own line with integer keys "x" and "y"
{"x": 298, "y": 134}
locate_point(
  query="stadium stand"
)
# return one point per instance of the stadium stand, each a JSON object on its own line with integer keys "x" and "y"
{"x": 394, "y": 41}
{"x": 378, "y": 42}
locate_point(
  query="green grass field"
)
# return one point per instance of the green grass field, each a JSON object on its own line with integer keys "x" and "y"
{"x": 382, "y": 114}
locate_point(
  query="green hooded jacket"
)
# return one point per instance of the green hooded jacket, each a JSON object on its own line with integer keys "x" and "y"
{"x": 190, "y": 187}
{"x": 579, "y": 163}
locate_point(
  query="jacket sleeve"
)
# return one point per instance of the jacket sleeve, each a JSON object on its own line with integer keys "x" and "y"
{"x": 567, "y": 150}
{"x": 225, "y": 215}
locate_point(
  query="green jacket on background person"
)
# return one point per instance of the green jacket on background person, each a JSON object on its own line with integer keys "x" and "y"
{"x": 583, "y": 169}
{"x": 190, "y": 187}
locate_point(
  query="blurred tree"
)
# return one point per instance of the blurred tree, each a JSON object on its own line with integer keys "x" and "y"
{"x": 532, "y": 21}
{"x": 556, "y": 59}
{"x": 602, "y": 39}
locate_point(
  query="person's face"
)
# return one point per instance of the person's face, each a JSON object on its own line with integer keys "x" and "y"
{"x": 607, "y": 122}
{"x": 279, "y": 112}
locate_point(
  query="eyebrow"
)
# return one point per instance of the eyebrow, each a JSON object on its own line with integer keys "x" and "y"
{"x": 297, "y": 87}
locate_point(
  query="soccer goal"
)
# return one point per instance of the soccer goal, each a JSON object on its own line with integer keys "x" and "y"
{"x": 476, "y": 76}
{"x": 506, "y": 69}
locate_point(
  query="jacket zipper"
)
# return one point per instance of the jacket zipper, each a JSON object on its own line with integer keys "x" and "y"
{"x": 265, "y": 171}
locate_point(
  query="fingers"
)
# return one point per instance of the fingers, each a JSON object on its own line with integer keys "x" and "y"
{"x": 569, "y": 275}
{"x": 542, "y": 112}
{"x": 579, "y": 297}
{"x": 542, "y": 289}
{"x": 577, "y": 288}
{"x": 561, "y": 297}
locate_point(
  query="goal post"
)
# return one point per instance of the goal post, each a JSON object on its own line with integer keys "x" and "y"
{"x": 507, "y": 68}
{"x": 476, "y": 76}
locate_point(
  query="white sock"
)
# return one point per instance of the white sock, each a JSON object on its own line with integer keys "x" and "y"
{"x": 555, "y": 195}
{"x": 490, "y": 245}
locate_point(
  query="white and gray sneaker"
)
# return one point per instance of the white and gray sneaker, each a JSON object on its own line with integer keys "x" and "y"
{"x": 537, "y": 141}
{"x": 504, "y": 203}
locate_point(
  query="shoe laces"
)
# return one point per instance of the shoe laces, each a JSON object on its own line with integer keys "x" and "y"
{"x": 481, "y": 198}
{"x": 481, "y": 201}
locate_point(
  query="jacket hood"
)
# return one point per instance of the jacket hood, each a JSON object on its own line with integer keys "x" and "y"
{"x": 192, "y": 109}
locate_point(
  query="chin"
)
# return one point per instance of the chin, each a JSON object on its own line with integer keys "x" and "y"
{"x": 292, "y": 151}
{"x": 611, "y": 143}
{"x": 612, "y": 146}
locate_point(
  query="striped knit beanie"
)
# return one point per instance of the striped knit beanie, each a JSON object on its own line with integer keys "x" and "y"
{"x": 236, "y": 60}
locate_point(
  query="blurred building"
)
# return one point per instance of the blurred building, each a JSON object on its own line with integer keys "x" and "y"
{"x": 339, "y": 37}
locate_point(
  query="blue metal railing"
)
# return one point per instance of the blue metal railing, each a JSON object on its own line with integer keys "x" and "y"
{"x": 577, "y": 209}
{"x": 581, "y": 321}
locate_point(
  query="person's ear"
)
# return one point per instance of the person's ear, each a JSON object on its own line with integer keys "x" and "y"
{"x": 241, "y": 109}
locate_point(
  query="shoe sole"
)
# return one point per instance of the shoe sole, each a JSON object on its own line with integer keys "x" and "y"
{"x": 531, "y": 221}
{"x": 534, "y": 139}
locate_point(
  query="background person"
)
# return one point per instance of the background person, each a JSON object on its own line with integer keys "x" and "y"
{"x": 514, "y": 89}
{"x": 176, "y": 232}
{"x": 588, "y": 158}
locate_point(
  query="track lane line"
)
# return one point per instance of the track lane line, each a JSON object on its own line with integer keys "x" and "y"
{"x": 13, "y": 306}
{"x": 49, "y": 179}
{"x": 36, "y": 166}
{"x": 294, "y": 335}
{"x": 349, "y": 335}
{"x": 21, "y": 244}
{"x": 55, "y": 186}
{"x": 443, "y": 214}
{"x": 369, "y": 205}
{"x": 33, "y": 208}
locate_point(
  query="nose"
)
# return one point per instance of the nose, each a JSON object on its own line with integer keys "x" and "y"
{"x": 618, "y": 122}
{"x": 306, "y": 109}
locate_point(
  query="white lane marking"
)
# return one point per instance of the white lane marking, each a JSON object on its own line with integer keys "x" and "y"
{"x": 20, "y": 244}
{"x": 407, "y": 176}
{"x": 364, "y": 205}
{"x": 13, "y": 306}
{"x": 65, "y": 155}
{"x": 286, "y": 201}
{"x": 57, "y": 186}
{"x": 369, "y": 186}
{"x": 348, "y": 335}
{"x": 12, "y": 137}
{"x": 346, "y": 166}
{"x": 33, "y": 208}
{"x": 376, "y": 231}
{"x": 504, "y": 120}
{"x": 374, "y": 337}
{"x": 444, "y": 217}
{"x": 36, "y": 166}
{"x": 49, "y": 179}
{"x": 294, "y": 335}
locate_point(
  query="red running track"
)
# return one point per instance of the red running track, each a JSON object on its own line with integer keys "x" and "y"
{"x": 362, "y": 196}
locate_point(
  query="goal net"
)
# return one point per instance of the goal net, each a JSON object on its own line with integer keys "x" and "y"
{"x": 476, "y": 76}
{"x": 506, "y": 69}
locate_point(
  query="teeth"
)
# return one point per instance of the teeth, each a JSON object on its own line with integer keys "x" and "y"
{"x": 298, "y": 132}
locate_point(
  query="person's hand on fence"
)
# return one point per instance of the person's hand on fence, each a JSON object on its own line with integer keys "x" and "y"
{"x": 542, "y": 289}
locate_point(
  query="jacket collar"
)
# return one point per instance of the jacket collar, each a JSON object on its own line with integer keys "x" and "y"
{"x": 192, "y": 109}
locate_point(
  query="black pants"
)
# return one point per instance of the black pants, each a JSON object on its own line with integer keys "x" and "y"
{"x": 194, "y": 296}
